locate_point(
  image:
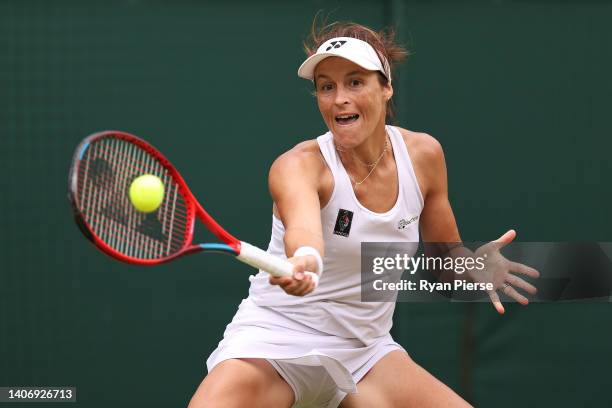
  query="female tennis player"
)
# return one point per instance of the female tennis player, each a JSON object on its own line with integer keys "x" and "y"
{"x": 294, "y": 343}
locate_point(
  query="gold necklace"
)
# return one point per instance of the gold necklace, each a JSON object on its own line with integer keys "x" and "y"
{"x": 373, "y": 165}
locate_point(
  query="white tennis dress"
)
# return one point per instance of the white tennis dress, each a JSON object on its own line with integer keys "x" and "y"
{"x": 323, "y": 343}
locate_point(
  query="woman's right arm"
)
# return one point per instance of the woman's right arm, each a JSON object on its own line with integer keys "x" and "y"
{"x": 294, "y": 183}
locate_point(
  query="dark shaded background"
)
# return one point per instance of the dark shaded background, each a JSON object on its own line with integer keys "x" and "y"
{"x": 518, "y": 93}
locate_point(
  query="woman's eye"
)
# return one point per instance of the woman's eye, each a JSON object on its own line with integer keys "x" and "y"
{"x": 326, "y": 87}
{"x": 355, "y": 82}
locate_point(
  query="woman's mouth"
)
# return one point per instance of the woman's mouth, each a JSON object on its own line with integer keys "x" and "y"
{"x": 346, "y": 119}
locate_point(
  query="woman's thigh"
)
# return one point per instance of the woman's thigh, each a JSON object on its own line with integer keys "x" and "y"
{"x": 397, "y": 381}
{"x": 249, "y": 382}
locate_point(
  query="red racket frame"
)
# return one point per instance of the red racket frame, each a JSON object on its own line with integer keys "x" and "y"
{"x": 194, "y": 208}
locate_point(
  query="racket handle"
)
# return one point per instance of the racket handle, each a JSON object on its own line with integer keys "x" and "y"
{"x": 260, "y": 259}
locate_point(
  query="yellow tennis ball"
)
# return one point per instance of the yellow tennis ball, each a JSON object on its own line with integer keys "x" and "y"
{"x": 146, "y": 193}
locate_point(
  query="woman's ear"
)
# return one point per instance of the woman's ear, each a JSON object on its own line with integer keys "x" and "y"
{"x": 387, "y": 91}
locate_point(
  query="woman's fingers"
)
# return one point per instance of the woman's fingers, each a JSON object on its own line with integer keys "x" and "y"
{"x": 300, "y": 287}
{"x": 293, "y": 285}
{"x": 299, "y": 284}
{"x": 305, "y": 287}
{"x": 496, "y": 302}
{"x": 499, "y": 243}
{"x": 506, "y": 238}
{"x": 524, "y": 269}
{"x": 511, "y": 292}
{"x": 520, "y": 283}
{"x": 502, "y": 241}
{"x": 280, "y": 280}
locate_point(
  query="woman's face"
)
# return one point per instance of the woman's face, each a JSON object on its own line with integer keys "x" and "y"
{"x": 351, "y": 100}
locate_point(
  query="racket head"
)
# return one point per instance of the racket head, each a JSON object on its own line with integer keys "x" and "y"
{"x": 103, "y": 167}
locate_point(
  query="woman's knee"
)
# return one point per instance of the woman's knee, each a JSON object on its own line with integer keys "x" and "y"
{"x": 240, "y": 383}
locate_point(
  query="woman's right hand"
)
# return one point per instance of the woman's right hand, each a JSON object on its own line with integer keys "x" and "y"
{"x": 300, "y": 284}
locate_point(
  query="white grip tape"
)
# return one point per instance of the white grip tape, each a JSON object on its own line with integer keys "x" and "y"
{"x": 260, "y": 259}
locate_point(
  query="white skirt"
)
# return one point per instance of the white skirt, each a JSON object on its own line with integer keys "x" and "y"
{"x": 262, "y": 332}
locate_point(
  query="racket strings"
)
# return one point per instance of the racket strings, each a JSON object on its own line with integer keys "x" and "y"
{"x": 107, "y": 169}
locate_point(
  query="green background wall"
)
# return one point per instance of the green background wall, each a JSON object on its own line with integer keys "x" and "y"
{"x": 518, "y": 93}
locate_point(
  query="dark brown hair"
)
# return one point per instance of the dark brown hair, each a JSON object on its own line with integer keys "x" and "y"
{"x": 382, "y": 41}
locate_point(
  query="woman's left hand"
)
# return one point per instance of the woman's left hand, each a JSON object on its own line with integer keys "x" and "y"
{"x": 499, "y": 271}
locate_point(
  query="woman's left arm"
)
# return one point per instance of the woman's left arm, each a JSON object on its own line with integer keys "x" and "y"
{"x": 438, "y": 225}
{"x": 437, "y": 220}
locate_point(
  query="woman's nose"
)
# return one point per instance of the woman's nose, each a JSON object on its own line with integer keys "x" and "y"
{"x": 341, "y": 96}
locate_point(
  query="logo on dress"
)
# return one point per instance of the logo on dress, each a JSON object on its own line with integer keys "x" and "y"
{"x": 404, "y": 222}
{"x": 343, "y": 223}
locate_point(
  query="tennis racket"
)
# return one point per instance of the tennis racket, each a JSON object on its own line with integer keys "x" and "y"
{"x": 103, "y": 167}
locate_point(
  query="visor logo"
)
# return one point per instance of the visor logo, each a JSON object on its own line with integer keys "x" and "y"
{"x": 335, "y": 44}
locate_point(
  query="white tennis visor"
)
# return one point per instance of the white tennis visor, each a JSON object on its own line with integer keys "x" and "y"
{"x": 352, "y": 49}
